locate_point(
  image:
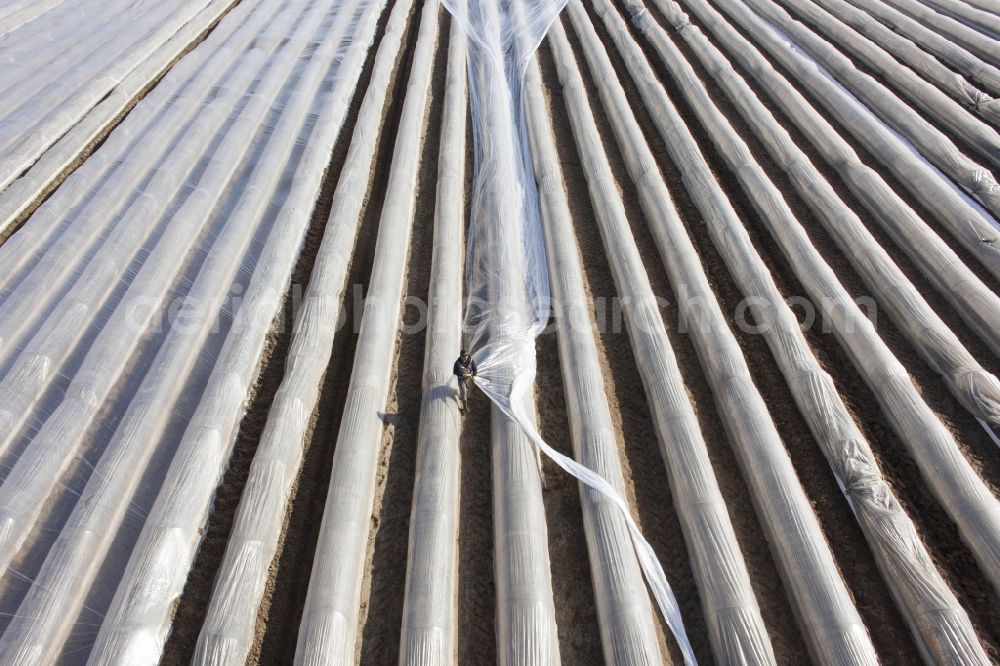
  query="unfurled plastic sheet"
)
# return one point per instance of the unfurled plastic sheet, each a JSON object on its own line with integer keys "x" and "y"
{"x": 55, "y": 69}
{"x": 831, "y": 624}
{"x": 506, "y": 288}
{"x": 508, "y": 306}
{"x": 970, "y": 225}
{"x": 950, "y": 53}
{"x": 976, "y": 304}
{"x": 329, "y": 626}
{"x": 135, "y": 319}
{"x": 940, "y": 625}
{"x": 429, "y": 632}
{"x": 29, "y": 186}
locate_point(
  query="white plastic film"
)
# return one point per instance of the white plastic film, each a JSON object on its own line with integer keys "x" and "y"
{"x": 15, "y": 14}
{"x": 736, "y": 629}
{"x": 30, "y": 185}
{"x": 933, "y": 144}
{"x": 943, "y": 466}
{"x": 429, "y": 632}
{"x": 909, "y": 52}
{"x": 980, "y": 43}
{"x": 506, "y": 290}
{"x": 508, "y": 305}
{"x": 940, "y": 625}
{"x": 47, "y": 90}
{"x": 628, "y": 634}
{"x": 987, "y": 22}
{"x": 894, "y": 67}
{"x": 964, "y": 61}
{"x": 975, "y": 303}
{"x": 208, "y": 193}
{"x": 972, "y": 226}
{"x": 328, "y": 629}
{"x": 831, "y": 624}
{"x": 227, "y": 632}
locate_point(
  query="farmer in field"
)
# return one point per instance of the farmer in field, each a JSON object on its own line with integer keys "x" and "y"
{"x": 465, "y": 370}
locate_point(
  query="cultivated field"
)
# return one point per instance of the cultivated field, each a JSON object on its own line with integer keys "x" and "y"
{"x": 739, "y": 258}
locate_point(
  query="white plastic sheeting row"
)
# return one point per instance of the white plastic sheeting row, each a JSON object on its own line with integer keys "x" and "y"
{"x": 328, "y": 630}
{"x": 227, "y": 632}
{"x": 736, "y": 628}
{"x": 984, "y": 46}
{"x": 39, "y": 467}
{"x": 983, "y": 20}
{"x": 220, "y": 204}
{"x": 831, "y": 624}
{"x": 932, "y": 143}
{"x": 984, "y": 5}
{"x": 15, "y": 14}
{"x": 976, "y": 389}
{"x": 950, "y": 53}
{"x": 48, "y": 86}
{"x": 429, "y": 632}
{"x": 506, "y": 282}
{"x": 939, "y": 623}
{"x": 35, "y": 182}
{"x": 911, "y": 54}
{"x": 975, "y": 302}
{"x": 945, "y": 469}
{"x": 919, "y": 93}
{"x": 508, "y": 306}
{"x": 625, "y": 616}
{"x": 971, "y": 225}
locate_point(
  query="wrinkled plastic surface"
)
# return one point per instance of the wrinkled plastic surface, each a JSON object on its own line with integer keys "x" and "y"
{"x": 328, "y": 629}
{"x": 54, "y": 70}
{"x": 228, "y": 628}
{"x": 942, "y": 628}
{"x": 908, "y": 52}
{"x": 933, "y": 144}
{"x": 508, "y": 292}
{"x": 943, "y": 466}
{"x": 16, "y": 13}
{"x": 984, "y": 20}
{"x": 628, "y": 630}
{"x": 894, "y": 68}
{"x": 506, "y": 288}
{"x": 429, "y": 633}
{"x": 975, "y": 302}
{"x": 976, "y": 389}
{"x": 25, "y": 190}
{"x": 974, "y": 227}
{"x": 136, "y": 310}
{"x": 983, "y": 45}
{"x": 831, "y": 624}
{"x": 736, "y": 629}
{"x": 964, "y": 61}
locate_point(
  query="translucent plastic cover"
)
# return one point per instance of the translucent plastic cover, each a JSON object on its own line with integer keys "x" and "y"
{"x": 507, "y": 278}
{"x": 136, "y": 306}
